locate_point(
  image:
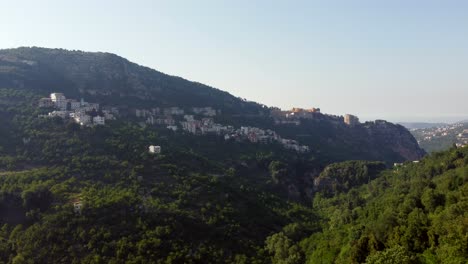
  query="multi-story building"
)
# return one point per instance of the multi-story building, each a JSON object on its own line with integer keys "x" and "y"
{"x": 59, "y": 100}
{"x": 351, "y": 120}
{"x": 99, "y": 120}
{"x": 61, "y": 114}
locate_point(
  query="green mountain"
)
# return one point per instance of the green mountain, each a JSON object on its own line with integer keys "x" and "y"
{"x": 94, "y": 194}
{"x": 414, "y": 213}
{"x": 114, "y": 81}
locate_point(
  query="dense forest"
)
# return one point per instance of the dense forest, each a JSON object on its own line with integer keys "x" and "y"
{"x": 213, "y": 201}
{"x": 94, "y": 194}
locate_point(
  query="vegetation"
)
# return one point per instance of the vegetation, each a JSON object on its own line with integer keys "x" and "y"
{"x": 72, "y": 194}
{"x": 415, "y": 213}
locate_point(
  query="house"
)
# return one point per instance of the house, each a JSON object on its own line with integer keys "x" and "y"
{"x": 77, "y": 207}
{"x": 82, "y": 119}
{"x": 173, "y": 128}
{"x": 59, "y": 100}
{"x": 154, "y": 149}
{"x": 74, "y": 105}
{"x": 189, "y": 118}
{"x": 61, "y": 114}
{"x": 99, "y": 120}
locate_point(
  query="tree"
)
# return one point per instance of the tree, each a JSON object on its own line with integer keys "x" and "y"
{"x": 283, "y": 250}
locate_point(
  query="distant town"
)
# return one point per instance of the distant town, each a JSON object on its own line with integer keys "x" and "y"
{"x": 450, "y": 134}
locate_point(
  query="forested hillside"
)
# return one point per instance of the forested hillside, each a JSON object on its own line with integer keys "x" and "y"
{"x": 113, "y": 81}
{"x": 414, "y": 213}
{"x": 190, "y": 204}
{"x": 73, "y": 193}
{"x": 206, "y": 200}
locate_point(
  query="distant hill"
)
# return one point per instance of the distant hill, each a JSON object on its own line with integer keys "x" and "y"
{"x": 112, "y": 80}
{"x": 420, "y": 125}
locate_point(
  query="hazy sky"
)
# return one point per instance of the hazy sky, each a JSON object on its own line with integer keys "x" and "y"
{"x": 399, "y": 60}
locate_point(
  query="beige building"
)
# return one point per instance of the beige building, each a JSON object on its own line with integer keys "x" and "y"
{"x": 351, "y": 119}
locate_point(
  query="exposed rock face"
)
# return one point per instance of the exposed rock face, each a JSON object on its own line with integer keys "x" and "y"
{"x": 396, "y": 138}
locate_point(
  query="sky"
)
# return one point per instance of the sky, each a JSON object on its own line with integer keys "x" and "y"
{"x": 398, "y": 60}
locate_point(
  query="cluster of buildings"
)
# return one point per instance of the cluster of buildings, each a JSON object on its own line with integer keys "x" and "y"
{"x": 457, "y": 133}
{"x": 258, "y": 135}
{"x": 294, "y": 116}
{"x": 168, "y": 116}
{"x": 199, "y": 121}
{"x": 204, "y": 126}
{"x": 462, "y": 138}
{"x": 81, "y": 112}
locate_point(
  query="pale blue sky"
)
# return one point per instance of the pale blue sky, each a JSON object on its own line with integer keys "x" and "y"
{"x": 398, "y": 60}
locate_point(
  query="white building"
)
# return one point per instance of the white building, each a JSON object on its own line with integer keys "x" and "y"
{"x": 99, "y": 120}
{"x": 351, "y": 120}
{"x": 173, "y": 128}
{"x": 59, "y": 100}
{"x": 74, "y": 105}
{"x": 77, "y": 207}
{"x": 82, "y": 119}
{"x": 61, "y": 114}
{"x": 154, "y": 149}
{"x": 189, "y": 118}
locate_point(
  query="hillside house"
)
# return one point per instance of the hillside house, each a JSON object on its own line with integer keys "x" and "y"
{"x": 154, "y": 149}
{"x": 59, "y": 100}
{"x": 77, "y": 207}
{"x": 99, "y": 120}
{"x": 61, "y": 114}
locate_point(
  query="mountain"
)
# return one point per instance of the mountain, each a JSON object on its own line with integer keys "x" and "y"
{"x": 85, "y": 192}
{"x": 114, "y": 81}
{"x": 109, "y": 77}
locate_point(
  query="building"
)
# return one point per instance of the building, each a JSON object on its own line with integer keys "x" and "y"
{"x": 99, "y": 120}
{"x": 77, "y": 207}
{"x": 351, "y": 120}
{"x": 74, "y": 105}
{"x": 82, "y": 119}
{"x": 154, "y": 149}
{"x": 173, "y": 128}
{"x": 59, "y": 100}
{"x": 61, "y": 114}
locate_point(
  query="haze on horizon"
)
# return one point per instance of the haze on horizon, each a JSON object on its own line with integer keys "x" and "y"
{"x": 396, "y": 60}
